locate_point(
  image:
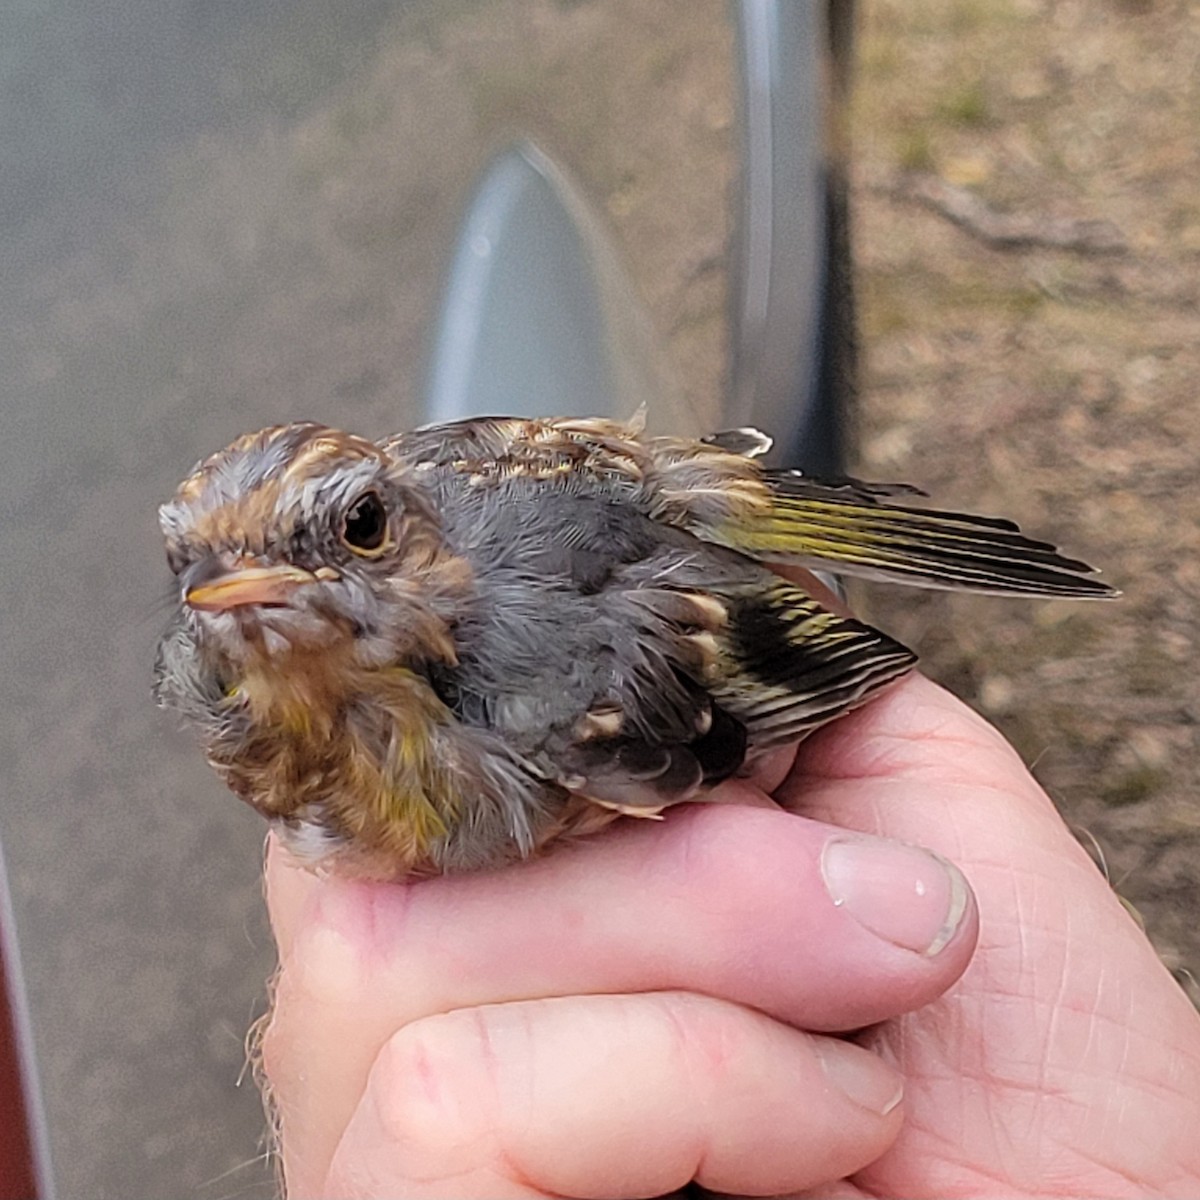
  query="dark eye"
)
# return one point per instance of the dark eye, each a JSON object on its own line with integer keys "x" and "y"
{"x": 365, "y": 525}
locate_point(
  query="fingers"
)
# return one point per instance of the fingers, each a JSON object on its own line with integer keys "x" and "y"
{"x": 733, "y": 902}
{"x": 1065, "y": 1004}
{"x": 918, "y": 765}
{"x": 751, "y": 905}
{"x": 612, "y": 1096}
{"x": 915, "y": 732}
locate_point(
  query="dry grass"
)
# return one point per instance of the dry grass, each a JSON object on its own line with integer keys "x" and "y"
{"x": 1053, "y": 387}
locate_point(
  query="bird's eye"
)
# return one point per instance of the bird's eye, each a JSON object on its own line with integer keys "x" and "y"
{"x": 365, "y": 525}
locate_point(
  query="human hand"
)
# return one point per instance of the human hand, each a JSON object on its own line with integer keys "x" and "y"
{"x": 1064, "y": 1061}
{"x": 594, "y": 1024}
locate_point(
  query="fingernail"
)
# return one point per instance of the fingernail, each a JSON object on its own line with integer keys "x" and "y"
{"x": 860, "y": 1076}
{"x": 909, "y": 897}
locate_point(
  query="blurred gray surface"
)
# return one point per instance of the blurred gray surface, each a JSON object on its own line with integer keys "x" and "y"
{"x": 537, "y": 314}
{"x": 213, "y": 215}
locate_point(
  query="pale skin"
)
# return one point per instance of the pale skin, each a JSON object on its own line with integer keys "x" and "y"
{"x": 656, "y": 1005}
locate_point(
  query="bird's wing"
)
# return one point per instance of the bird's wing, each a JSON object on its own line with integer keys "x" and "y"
{"x": 710, "y": 657}
{"x": 705, "y": 679}
{"x": 590, "y": 449}
{"x": 717, "y": 490}
{"x": 865, "y": 530}
{"x": 853, "y": 528}
{"x": 792, "y": 665}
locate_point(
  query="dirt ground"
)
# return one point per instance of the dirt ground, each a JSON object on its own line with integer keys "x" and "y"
{"x": 1054, "y": 386}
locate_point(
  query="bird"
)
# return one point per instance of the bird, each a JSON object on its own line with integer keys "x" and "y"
{"x": 453, "y": 648}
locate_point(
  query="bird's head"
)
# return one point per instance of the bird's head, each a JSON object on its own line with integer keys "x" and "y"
{"x": 302, "y": 546}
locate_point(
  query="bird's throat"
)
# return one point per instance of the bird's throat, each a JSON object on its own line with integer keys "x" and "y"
{"x": 362, "y": 749}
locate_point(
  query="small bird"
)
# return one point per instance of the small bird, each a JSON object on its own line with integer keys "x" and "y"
{"x": 446, "y": 650}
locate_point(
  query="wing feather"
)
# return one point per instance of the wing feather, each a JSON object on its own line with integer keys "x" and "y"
{"x": 859, "y": 529}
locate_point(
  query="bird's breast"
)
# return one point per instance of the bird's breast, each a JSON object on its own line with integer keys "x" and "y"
{"x": 359, "y": 757}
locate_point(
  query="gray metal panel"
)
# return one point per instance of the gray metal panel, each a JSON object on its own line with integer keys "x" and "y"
{"x": 779, "y": 252}
{"x": 521, "y": 327}
{"x": 538, "y": 317}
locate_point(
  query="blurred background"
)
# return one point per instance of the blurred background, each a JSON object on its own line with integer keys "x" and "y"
{"x": 216, "y": 214}
{"x": 1058, "y": 386}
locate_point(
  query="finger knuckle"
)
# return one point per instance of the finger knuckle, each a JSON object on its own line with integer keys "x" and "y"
{"x": 430, "y": 1084}
{"x": 705, "y": 1039}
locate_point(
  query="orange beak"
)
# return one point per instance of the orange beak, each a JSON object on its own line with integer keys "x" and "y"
{"x": 249, "y": 585}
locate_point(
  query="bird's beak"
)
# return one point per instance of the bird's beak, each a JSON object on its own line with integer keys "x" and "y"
{"x": 249, "y": 585}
